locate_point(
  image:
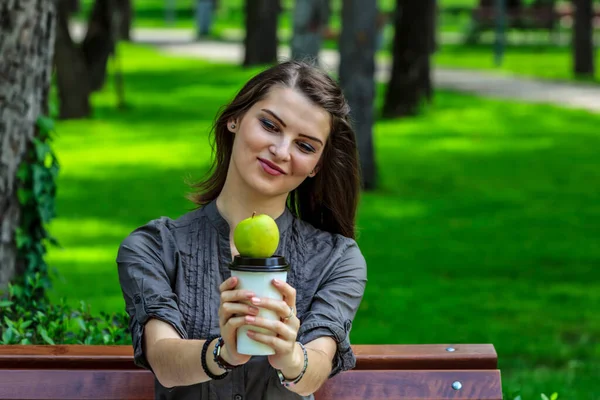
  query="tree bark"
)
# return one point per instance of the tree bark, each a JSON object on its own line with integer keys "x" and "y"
{"x": 125, "y": 19}
{"x": 81, "y": 68}
{"x": 414, "y": 42}
{"x": 357, "y": 77}
{"x": 261, "y": 32}
{"x": 310, "y": 19}
{"x": 71, "y": 70}
{"x": 583, "y": 39}
{"x": 99, "y": 42}
{"x": 27, "y": 35}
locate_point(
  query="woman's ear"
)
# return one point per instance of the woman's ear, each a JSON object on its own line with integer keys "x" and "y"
{"x": 232, "y": 125}
{"x": 315, "y": 171}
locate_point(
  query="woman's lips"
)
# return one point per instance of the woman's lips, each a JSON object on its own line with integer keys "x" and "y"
{"x": 270, "y": 168}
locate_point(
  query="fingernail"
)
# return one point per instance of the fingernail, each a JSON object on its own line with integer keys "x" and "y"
{"x": 250, "y": 295}
{"x": 255, "y": 300}
{"x": 250, "y": 333}
{"x": 250, "y": 318}
{"x": 277, "y": 281}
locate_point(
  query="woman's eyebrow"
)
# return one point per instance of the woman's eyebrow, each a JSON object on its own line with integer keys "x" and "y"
{"x": 312, "y": 138}
{"x": 274, "y": 116}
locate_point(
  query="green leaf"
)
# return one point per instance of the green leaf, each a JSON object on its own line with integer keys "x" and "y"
{"x": 26, "y": 324}
{"x": 23, "y": 196}
{"x": 5, "y": 303}
{"x": 21, "y": 238}
{"x": 25, "y": 341}
{"x": 45, "y": 336}
{"x": 7, "y": 336}
{"x": 544, "y": 397}
{"x": 45, "y": 124}
{"x": 42, "y": 150}
{"x": 554, "y": 396}
{"x": 9, "y": 323}
{"x": 23, "y": 172}
{"x": 38, "y": 180}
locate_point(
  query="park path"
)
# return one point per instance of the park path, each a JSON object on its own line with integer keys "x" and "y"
{"x": 565, "y": 94}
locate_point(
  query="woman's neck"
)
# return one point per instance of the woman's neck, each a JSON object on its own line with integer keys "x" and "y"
{"x": 236, "y": 202}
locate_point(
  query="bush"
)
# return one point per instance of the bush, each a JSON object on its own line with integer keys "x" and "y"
{"x": 28, "y": 320}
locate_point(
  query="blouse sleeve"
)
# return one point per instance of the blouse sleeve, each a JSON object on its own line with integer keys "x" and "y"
{"x": 334, "y": 306}
{"x": 146, "y": 267}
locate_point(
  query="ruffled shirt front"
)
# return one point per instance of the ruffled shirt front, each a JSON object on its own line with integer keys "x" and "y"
{"x": 171, "y": 270}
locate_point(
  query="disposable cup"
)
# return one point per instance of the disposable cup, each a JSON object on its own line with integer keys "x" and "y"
{"x": 256, "y": 275}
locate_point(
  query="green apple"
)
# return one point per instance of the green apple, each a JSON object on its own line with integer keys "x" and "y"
{"x": 257, "y": 236}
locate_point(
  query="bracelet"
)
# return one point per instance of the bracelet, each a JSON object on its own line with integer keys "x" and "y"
{"x": 292, "y": 382}
{"x": 205, "y": 365}
{"x": 218, "y": 359}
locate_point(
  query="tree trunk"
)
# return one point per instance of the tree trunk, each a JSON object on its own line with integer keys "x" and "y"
{"x": 81, "y": 69}
{"x": 125, "y": 11}
{"x": 583, "y": 39}
{"x": 310, "y": 19}
{"x": 99, "y": 42}
{"x": 357, "y": 77}
{"x": 261, "y": 32}
{"x": 414, "y": 42}
{"x": 71, "y": 70}
{"x": 27, "y": 34}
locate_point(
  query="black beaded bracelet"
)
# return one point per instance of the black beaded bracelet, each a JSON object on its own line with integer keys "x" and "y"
{"x": 205, "y": 364}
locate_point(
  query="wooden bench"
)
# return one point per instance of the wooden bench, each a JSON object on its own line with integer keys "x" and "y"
{"x": 462, "y": 371}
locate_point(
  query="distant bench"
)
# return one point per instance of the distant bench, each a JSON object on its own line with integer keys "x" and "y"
{"x": 408, "y": 372}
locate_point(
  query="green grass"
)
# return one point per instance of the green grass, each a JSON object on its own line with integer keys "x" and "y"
{"x": 547, "y": 62}
{"x": 484, "y": 229}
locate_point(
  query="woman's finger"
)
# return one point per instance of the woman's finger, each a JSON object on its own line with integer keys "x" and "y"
{"x": 232, "y": 296}
{"x": 229, "y": 309}
{"x": 235, "y": 322}
{"x": 278, "y": 344}
{"x": 288, "y": 292}
{"x": 228, "y": 284}
{"x": 278, "y": 327}
{"x": 280, "y": 307}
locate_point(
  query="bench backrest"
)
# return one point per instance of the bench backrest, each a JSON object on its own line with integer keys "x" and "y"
{"x": 467, "y": 371}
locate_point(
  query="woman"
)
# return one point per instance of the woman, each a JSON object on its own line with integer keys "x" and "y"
{"x": 284, "y": 147}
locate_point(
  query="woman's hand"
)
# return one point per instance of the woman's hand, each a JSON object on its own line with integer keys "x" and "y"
{"x": 232, "y": 313}
{"x": 288, "y": 355}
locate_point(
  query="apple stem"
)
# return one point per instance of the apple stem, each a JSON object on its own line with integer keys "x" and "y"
{"x": 253, "y": 214}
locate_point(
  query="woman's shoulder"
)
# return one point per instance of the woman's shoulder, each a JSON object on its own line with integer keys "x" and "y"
{"x": 160, "y": 231}
{"x": 322, "y": 243}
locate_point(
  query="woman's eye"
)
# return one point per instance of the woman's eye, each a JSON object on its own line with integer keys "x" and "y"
{"x": 268, "y": 125}
{"x": 305, "y": 147}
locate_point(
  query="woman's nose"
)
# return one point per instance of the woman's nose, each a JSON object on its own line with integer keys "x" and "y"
{"x": 280, "y": 150}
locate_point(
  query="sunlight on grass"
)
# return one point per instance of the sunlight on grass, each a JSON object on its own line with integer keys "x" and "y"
{"x": 547, "y": 62}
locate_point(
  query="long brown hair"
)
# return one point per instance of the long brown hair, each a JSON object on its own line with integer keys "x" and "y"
{"x": 329, "y": 200}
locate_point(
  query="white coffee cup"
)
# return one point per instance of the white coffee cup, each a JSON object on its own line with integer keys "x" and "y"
{"x": 256, "y": 275}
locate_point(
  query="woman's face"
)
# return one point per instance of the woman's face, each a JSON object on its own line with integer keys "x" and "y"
{"x": 279, "y": 141}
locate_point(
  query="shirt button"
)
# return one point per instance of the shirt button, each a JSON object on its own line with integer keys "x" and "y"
{"x": 238, "y": 397}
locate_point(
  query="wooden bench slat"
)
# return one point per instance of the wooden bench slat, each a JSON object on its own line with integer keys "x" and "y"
{"x": 410, "y": 385}
{"x": 76, "y": 385}
{"x": 350, "y": 385}
{"x": 368, "y": 357}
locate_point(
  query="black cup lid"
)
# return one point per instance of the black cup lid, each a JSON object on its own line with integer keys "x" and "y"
{"x": 267, "y": 264}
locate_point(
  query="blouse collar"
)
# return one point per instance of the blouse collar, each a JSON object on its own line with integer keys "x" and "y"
{"x": 283, "y": 221}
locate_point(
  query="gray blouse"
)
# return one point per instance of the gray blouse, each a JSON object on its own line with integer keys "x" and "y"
{"x": 171, "y": 270}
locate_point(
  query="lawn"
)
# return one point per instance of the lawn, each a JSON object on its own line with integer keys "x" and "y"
{"x": 484, "y": 228}
{"x": 546, "y": 62}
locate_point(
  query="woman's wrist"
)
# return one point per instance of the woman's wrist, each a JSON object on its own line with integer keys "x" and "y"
{"x": 210, "y": 362}
{"x": 296, "y": 365}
